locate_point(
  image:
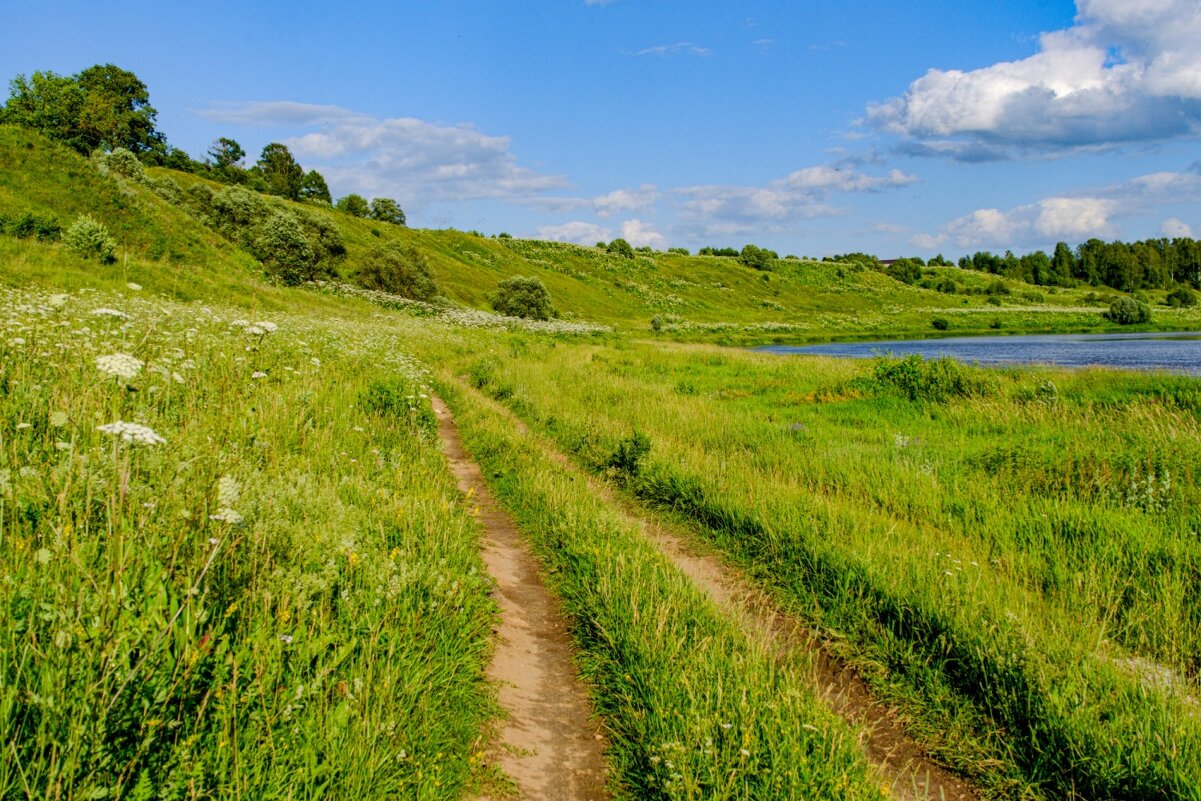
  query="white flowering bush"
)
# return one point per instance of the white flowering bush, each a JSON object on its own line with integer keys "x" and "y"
{"x": 89, "y": 238}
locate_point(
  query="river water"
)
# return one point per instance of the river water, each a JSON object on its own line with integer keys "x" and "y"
{"x": 1178, "y": 352}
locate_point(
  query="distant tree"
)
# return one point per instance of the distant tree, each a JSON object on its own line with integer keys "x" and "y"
{"x": 225, "y": 153}
{"x": 399, "y": 269}
{"x": 116, "y": 111}
{"x": 1128, "y": 311}
{"x": 313, "y": 187}
{"x": 48, "y": 103}
{"x": 620, "y": 247}
{"x": 385, "y": 209}
{"x": 280, "y": 172}
{"x": 279, "y": 242}
{"x": 354, "y": 205}
{"x": 681, "y": 251}
{"x": 1063, "y": 265}
{"x": 520, "y": 296}
{"x": 756, "y": 257}
{"x": 1181, "y": 298}
{"x": 712, "y": 251}
{"x": 907, "y": 271}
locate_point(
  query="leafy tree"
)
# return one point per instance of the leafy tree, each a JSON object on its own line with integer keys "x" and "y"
{"x": 756, "y": 257}
{"x": 1181, "y": 298}
{"x": 520, "y": 296}
{"x": 385, "y": 209}
{"x": 620, "y": 247}
{"x": 399, "y": 269}
{"x": 1063, "y": 265}
{"x": 354, "y": 205}
{"x": 225, "y": 153}
{"x": 279, "y": 242}
{"x": 48, "y": 103}
{"x": 313, "y": 187}
{"x": 116, "y": 111}
{"x": 280, "y": 172}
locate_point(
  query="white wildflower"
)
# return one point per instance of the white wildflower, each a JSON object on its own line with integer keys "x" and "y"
{"x": 267, "y": 327}
{"x": 58, "y": 300}
{"x": 228, "y": 491}
{"x": 119, "y": 365}
{"x": 239, "y": 323}
{"x": 258, "y": 374}
{"x": 255, "y": 330}
{"x": 17, "y": 341}
{"x": 58, "y": 419}
{"x": 110, "y": 313}
{"x": 132, "y": 432}
{"x": 134, "y": 287}
{"x": 227, "y": 516}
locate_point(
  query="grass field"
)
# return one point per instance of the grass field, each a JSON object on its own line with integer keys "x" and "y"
{"x": 1011, "y": 556}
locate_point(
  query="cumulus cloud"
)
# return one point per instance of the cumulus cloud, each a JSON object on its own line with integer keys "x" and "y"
{"x": 640, "y": 234}
{"x": 1124, "y": 72}
{"x": 401, "y": 157}
{"x": 625, "y": 200}
{"x": 577, "y": 231}
{"x": 1052, "y": 219}
{"x": 676, "y": 49}
{"x": 801, "y": 195}
{"x": 1174, "y": 227}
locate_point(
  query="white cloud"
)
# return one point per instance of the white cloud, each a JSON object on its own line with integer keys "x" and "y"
{"x": 676, "y": 49}
{"x": 1074, "y": 218}
{"x": 577, "y": 231}
{"x": 640, "y": 234}
{"x": 402, "y": 157}
{"x": 1125, "y": 71}
{"x": 625, "y": 200}
{"x": 727, "y": 210}
{"x": 1173, "y": 228}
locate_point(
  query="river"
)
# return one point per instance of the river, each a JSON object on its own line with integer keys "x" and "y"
{"x": 1178, "y": 352}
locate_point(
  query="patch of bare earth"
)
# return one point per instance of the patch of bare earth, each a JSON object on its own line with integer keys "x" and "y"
{"x": 549, "y": 744}
{"x": 901, "y": 762}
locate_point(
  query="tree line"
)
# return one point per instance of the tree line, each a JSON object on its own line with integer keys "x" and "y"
{"x": 1126, "y": 266}
{"x": 105, "y": 108}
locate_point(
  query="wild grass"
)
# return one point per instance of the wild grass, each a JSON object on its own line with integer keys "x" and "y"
{"x": 232, "y": 562}
{"x": 1016, "y": 565}
{"x": 694, "y": 708}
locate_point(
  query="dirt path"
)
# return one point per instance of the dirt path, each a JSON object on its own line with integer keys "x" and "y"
{"x": 903, "y": 764}
{"x": 549, "y": 744}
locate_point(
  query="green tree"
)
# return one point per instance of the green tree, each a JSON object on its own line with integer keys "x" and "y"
{"x": 116, "y": 111}
{"x": 225, "y": 153}
{"x": 385, "y": 209}
{"x": 522, "y": 296}
{"x": 313, "y": 187}
{"x": 280, "y": 172}
{"x": 399, "y": 269}
{"x": 756, "y": 257}
{"x": 620, "y": 247}
{"x": 354, "y": 205}
{"x": 1128, "y": 311}
{"x": 279, "y": 242}
{"x": 1063, "y": 265}
{"x": 48, "y": 103}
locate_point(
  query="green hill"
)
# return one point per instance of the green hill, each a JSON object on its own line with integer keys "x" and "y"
{"x": 173, "y": 247}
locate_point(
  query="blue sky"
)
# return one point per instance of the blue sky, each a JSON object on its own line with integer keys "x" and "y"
{"x": 808, "y": 127}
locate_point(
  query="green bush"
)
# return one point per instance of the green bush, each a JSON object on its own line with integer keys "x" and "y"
{"x": 1128, "y": 311}
{"x": 121, "y": 163}
{"x": 354, "y": 205}
{"x": 167, "y": 188}
{"x": 399, "y": 269}
{"x": 520, "y": 296}
{"x": 932, "y": 380}
{"x": 45, "y": 228}
{"x": 620, "y": 247}
{"x": 236, "y": 210}
{"x": 940, "y": 323}
{"x": 1181, "y": 298}
{"x": 89, "y": 238}
{"x": 279, "y": 242}
{"x": 628, "y": 455}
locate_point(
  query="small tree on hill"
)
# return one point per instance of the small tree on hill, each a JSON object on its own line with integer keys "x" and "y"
{"x": 354, "y": 205}
{"x": 522, "y": 296}
{"x": 279, "y": 242}
{"x": 620, "y": 247}
{"x": 757, "y": 258}
{"x": 280, "y": 172}
{"x": 399, "y": 269}
{"x": 385, "y": 209}
{"x": 313, "y": 187}
{"x": 1128, "y": 311}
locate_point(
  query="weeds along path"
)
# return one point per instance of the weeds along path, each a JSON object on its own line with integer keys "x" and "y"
{"x": 549, "y": 745}
{"x": 901, "y": 762}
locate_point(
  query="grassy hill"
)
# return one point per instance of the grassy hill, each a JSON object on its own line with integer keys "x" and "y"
{"x": 168, "y": 247}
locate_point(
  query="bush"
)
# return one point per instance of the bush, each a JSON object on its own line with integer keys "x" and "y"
{"x": 122, "y": 163}
{"x": 657, "y": 322}
{"x": 934, "y": 380}
{"x": 757, "y": 258}
{"x": 235, "y": 210}
{"x": 520, "y": 296}
{"x": 89, "y": 238}
{"x": 166, "y": 188}
{"x": 627, "y": 457}
{"x": 1181, "y": 298}
{"x": 399, "y": 269}
{"x": 940, "y": 323}
{"x": 199, "y": 198}
{"x": 354, "y": 205}
{"x": 1127, "y": 311}
{"x": 280, "y": 244}
{"x": 620, "y": 247}
{"x": 45, "y": 228}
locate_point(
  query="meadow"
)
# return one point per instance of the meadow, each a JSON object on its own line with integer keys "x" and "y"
{"x": 1010, "y": 557}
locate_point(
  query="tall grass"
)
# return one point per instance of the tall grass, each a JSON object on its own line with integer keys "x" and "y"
{"x": 267, "y": 588}
{"x": 1015, "y": 564}
{"x": 694, "y": 708}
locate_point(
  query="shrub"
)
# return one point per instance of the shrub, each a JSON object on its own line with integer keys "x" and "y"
{"x": 354, "y": 205}
{"x": 45, "y": 228}
{"x": 166, "y": 188}
{"x": 657, "y": 322}
{"x": 620, "y": 247}
{"x": 1181, "y": 298}
{"x": 757, "y": 258}
{"x": 279, "y": 242}
{"x": 323, "y": 236}
{"x": 122, "y": 163}
{"x": 199, "y": 198}
{"x": 1127, "y": 311}
{"x": 934, "y": 380}
{"x": 89, "y": 238}
{"x": 628, "y": 455}
{"x": 236, "y": 209}
{"x": 399, "y": 269}
{"x": 520, "y": 296}
{"x": 940, "y": 323}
